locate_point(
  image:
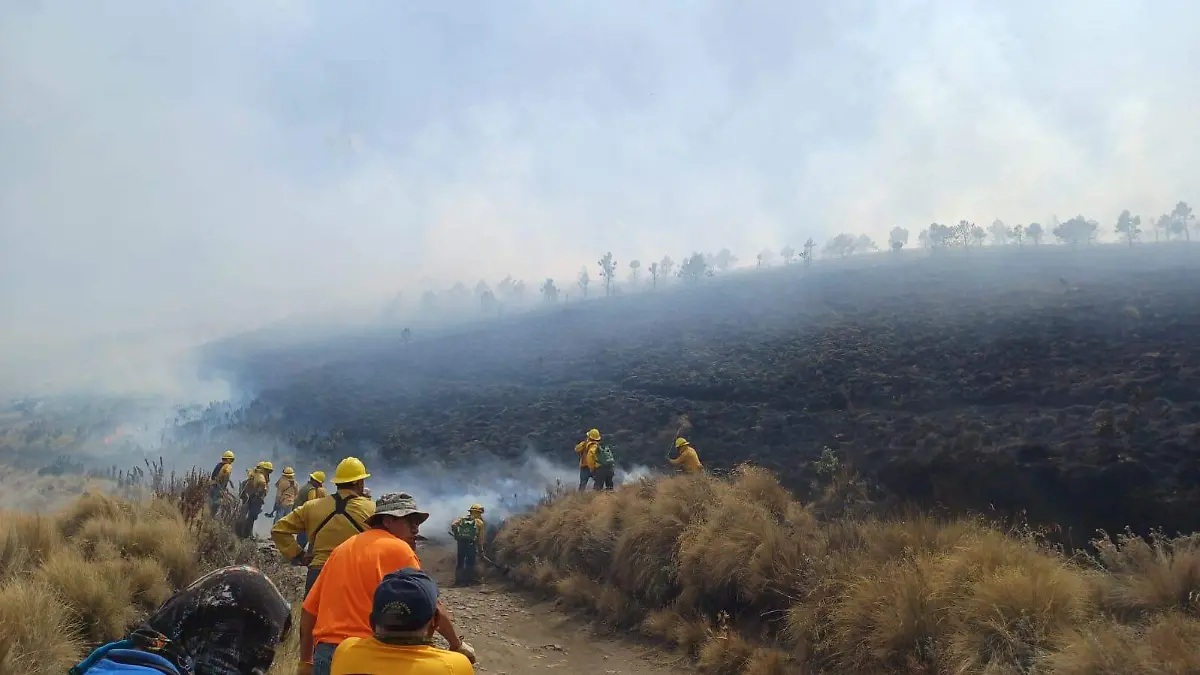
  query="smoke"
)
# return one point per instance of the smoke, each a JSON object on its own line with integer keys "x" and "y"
{"x": 192, "y": 171}
{"x": 504, "y": 487}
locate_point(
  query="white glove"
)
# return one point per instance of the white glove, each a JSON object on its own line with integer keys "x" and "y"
{"x": 467, "y": 651}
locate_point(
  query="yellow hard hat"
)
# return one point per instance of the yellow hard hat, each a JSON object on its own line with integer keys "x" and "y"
{"x": 266, "y": 466}
{"x": 476, "y": 507}
{"x": 680, "y": 442}
{"x": 350, "y": 470}
{"x": 228, "y": 454}
{"x": 594, "y": 434}
{"x": 318, "y": 476}
{"x": 288, "y": 471}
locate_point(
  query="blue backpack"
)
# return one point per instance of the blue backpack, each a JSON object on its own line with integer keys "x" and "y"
{"x": 124, "y": 656}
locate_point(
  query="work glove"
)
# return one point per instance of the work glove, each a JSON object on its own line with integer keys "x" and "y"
{"x": 303, "y": 668}
{"x": 466, "y": 650}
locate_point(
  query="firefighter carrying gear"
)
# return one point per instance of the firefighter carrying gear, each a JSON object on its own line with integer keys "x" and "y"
{"x": 585, "y": 448}
{"x": 286, "y": 490}
{"x": 326, "y": 522}
{"x": 253, "y": 494}
{"x": 469, "y": 532}
{"x": 220, "y": 476}
{"x": 350, "y": 470}
{"x": 603, "y": 465}
{"x": 688, "y": 459}
{"x": 311, "y": 490}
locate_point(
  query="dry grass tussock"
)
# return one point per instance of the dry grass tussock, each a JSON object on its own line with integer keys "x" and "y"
{"x": 749, "y": 581}
{"x": 86, "y": 574}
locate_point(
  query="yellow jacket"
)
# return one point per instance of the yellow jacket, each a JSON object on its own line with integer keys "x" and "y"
{"x": 688, "y": 460}
{"x": 308, "y": 517}
{"x": 255, "y": 486}
{"x": 585, "y": 449}
{"x": 307, "y": 492}
{"x": 590, "y": 456}
{"x": 368, "y": 656}
{"x": 222, "y": 474}
{"x": 285, "y": 491}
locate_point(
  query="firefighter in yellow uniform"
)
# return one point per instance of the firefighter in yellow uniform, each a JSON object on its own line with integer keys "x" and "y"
{"x": 469, "y": 532}
{"x": 583, "y": 449}
{"x": 688, "y": 459}
{"x": 221, "y": 474}
{"x": 253, "y": 494}
{"x": 326, "y": 521}
{"x": 314, "y": 488}
{"x": 286, "y": 490}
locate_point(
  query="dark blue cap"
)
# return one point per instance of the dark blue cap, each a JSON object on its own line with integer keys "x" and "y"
{"x": 404, "y": 601}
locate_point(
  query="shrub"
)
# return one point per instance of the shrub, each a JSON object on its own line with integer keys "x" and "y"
{"x": 37, "y": 636}
{"x": 750, "y": 581}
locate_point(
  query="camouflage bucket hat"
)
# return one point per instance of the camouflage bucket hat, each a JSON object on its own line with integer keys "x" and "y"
{"x": 400, "y": 505}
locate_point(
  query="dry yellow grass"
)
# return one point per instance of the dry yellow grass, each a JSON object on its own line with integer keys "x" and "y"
{"x": 85, "y": 576}
{"x": 751, "y": 582}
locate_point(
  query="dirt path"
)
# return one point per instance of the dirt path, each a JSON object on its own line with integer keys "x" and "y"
{"x": 515, "y": 634}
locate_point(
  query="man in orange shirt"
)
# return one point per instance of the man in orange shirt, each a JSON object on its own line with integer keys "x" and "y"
{"x": 405, "y": 617}
{"x": 339, "y": 604}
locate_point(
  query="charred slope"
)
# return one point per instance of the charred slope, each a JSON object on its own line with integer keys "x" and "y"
{"x": 1045, "y": 383}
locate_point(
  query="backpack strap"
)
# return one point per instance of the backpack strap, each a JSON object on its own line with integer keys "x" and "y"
{"x": 339, "y": 508}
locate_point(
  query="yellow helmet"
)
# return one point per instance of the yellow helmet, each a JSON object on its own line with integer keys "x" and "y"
{"x": 476, "y": 508}
{"x": 594, "y": 434}
{"x": 318, "y": 476}
{"x": 266, "y": 466}
{"x": 228, "y": 454}
{"x": 680, "y": 442}
{"x": 350, "y": 470}
{"x": 289, "y": 471}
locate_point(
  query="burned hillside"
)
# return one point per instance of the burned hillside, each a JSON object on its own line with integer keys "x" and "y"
{"x": 1059, "y": 383}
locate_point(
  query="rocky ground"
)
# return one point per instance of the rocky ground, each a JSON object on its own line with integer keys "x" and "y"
{"x": 1061, "y": 384}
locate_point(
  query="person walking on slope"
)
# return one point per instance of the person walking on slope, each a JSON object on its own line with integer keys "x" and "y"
{"x": 326, "y": 521}
{"x": 469, "y": 532}
{"x": 404, "y": 617}
{"x": 687, "y": 460}
{"x": 582, "y": 449}
{"x": 253, "y": 494}
{"x": 340, "y": 602}
{"x": 285, "y": 494}
{"x": 603, "y": 465}
{"x": 221, "y": 474}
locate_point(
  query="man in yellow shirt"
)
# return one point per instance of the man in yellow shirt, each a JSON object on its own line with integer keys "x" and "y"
{"x": 327, "y": 521}
{"x": 404, "y": 617}
{"x": 253, "y": 494}
{"x": 285, "y": 494}
{"x": 313, "y": 489}
{"x": 221, "y": 474}
{"x": 583, "y": 448}
{"x": 688, "y": 459}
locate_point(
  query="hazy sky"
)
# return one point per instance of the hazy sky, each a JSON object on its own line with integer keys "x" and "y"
{"x": 169, "y": 164}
